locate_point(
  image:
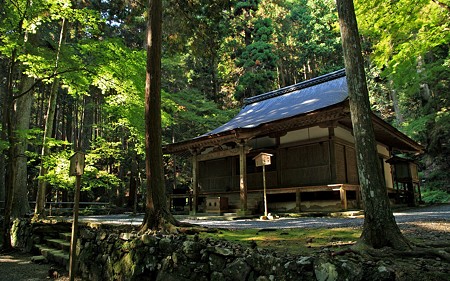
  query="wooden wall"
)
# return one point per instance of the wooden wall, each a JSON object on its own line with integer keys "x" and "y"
{"x": 216, "y": 175}
{"x": 346, "y": 168}
{"x": 297, "y": 165}
{"x": 307, "y": 164}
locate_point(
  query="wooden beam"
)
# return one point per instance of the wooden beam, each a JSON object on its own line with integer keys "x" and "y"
{"x": 221, "y": 154}
{"x": 353, "y": 187}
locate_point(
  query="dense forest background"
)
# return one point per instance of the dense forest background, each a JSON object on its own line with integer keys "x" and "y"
{"x": 72, "y": 77}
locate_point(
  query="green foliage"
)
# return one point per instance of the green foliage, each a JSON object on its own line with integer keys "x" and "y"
{"x": 437, "y": 178}
{"x": 98, "y": 180}
{"x": 258, "y": 62}
{"x": 94, "y": 179}
{"x": 246, "y": 5}
{"x": 104, "y": 152}
{"x": 190, "y": 114}
{"x": 317, "y": 36}
{"x": 24, "y": 33}
{"x": 408, "y": 45}
{"x": 3, "y": 145}
{"x": 435, "y": 196}
{"x": 58, "y": 165}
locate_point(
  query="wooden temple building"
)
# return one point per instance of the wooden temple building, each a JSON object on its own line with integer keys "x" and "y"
{"x": 307, "y": 130}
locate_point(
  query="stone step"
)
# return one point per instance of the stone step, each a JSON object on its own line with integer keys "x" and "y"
{"x": 58, "y": 244}
{"x": 60, "y": 257}
{"x": 67, "y": 236}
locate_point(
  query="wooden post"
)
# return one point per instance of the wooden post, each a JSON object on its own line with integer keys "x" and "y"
{"x": 332, "y": 154}
{"x": 243, "y": 177}
{"x": 265, "y": 192}
{"x": 195, "y": 176}
{"x": 73, "y": 241}
{"x": 298, "y": 199}
{"x": 263, "y": 159}
{"x": 343, "y": 195}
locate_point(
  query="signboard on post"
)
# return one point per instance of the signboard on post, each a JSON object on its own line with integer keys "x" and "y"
{"x": 263, "y": 159}
{"x": 76, "y": 164}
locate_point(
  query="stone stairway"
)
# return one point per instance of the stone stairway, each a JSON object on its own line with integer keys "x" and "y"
{"x": 54, "y": 249}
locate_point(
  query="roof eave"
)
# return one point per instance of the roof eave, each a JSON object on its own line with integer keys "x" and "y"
{"x": 319, "y": 116}
{"x": 413, "y": 145}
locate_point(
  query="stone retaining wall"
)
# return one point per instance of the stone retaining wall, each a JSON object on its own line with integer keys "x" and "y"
{"x": 107, "y": 253}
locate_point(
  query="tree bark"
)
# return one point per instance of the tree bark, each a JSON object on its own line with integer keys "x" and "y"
{"x": 22, "y": 115}
{"x": 380, "y": 228}
{"x": 2, "y": 154}
{"x": 156, "y": 212}
{"x": 88, "y": 120}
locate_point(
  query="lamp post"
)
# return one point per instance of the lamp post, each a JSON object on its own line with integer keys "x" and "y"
{"x": 263, "y": 159}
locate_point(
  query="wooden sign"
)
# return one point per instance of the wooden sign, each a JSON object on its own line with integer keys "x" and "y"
{"x": 76, "y": 164}
{"x": 262, "y": 159}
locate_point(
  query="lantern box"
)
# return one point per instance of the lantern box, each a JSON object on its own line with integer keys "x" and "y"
{"x": 405, "y": 170}
{"x": 262, "y": 159}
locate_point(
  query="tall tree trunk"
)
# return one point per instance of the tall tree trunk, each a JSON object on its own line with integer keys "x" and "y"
{"x": 380, "y": 228}
{"x": 7, "y": 135}
{"x": 48, "y": 129}
{"x": 396, "y": 105}
{"x": 88, "y": 120}
{"x": 133, "y": 180}
{"x": 156, "y": 211}
{"x": 2, "y": 154}
{"x": 22, "y": 115}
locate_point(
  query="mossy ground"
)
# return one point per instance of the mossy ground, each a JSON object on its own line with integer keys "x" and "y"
{"x": 290, "y": 241}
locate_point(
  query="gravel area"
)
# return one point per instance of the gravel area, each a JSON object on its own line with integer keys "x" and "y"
{"x": 426, "y": 214}
{"x": 438, "y": 213}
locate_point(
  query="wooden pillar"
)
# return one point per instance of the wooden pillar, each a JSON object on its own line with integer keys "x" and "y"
{"x": 195, "y": 177}
{"x": 298, "y": 200}
{"x": 343, "y": 195}
{"x": 279, "y": 160}
{"x": 243, "y": 178}
{"x": 332, "y": 152}
{"x": 420, "y": 193}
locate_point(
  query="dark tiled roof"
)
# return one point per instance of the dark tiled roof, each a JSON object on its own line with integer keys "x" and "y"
{"x": 301, "y": 98}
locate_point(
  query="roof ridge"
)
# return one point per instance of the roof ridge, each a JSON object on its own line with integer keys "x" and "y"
{"x": 302, "y": 85}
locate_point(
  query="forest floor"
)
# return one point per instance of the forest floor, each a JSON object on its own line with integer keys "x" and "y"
{"x": 433, "y": 231}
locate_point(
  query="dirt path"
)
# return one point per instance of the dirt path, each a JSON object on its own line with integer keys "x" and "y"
{"x": 18, "y": 266}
